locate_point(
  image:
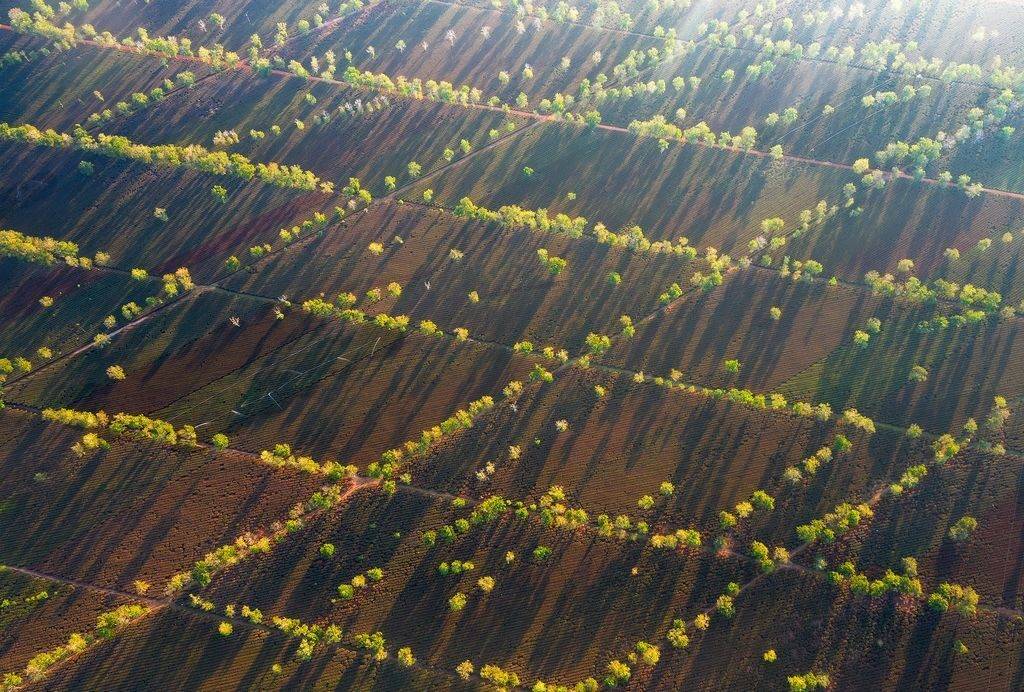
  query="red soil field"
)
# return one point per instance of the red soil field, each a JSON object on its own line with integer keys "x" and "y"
{"x": 175, "y": 17}
{"x": 349, "y": 394}
{"x": 907, "y": 220}
{"x": 82, "y": 299}
{"x": 165, "y": 646}
{"x": 966, "y": 369}
{"x": 697, "y": 334}
{"x": 199, "y": 333}
{"x": 136, "y": 511}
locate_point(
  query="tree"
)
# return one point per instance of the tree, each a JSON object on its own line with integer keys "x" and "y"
{"x": 405, "y": 657}
{"x": 962, "y": 530}
{"x": 220, "y": 441}
{"x": 116, "y": 372}
{"x": 457, "y": 602}
{"x": 220, "y": 193}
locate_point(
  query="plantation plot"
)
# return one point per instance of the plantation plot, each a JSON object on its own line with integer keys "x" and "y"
{"x": 64, "y": 88}
{"x": 995, "y": 160}
{"x": 333, "y": 130}
{"x": 133, "y": 512}
{"x": 849, "y": 131}
{"x": 560, "y": 617}
{"x": 348, "y": 393}
{"x": 81, "y": 301}
{"x": 516, "y": 296}
{"x": 963, "y": 370}
{"x": 40, "y": 615}
{"x": 965, "y": 32}
{"x": 712, "y": 196}
{"x": 736, "y": 321}
{"x": 181, "y": 348}
{"x": 165, "y": 646}
{"x": 194, "y": 19}
{"x": 468, "y": 45}
{"x": 909, "y": 220}
{"x": 112, "y": 208}
{"x": 858, "y": 642}
{"x": 990, "y": 557}
{"x": 623, "y": 446}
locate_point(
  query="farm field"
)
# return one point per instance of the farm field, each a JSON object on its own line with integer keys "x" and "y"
{"x": 643, "y": 345}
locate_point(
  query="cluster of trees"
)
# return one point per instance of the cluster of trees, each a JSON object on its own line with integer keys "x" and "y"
{"x": 487, "y": 511}
{"x": 807, "y": 682}
{"x": 905, "y": 583}
{"x": 808, "y": 466}
{"x": 515, "y": 217}
{"x": 192, "y": 156}
{"x": 743, "y": 509}
{"x": 660, "y": 128}
{"x": 310, "y": 636}
{"x": 39, "y": 250}
{"x": 281, "y": 456}
{"x": 347, "y": 590}
{"x": 962, "y": 599}
{"x": 554, "y": 265}
{"x": 834, "y": 524}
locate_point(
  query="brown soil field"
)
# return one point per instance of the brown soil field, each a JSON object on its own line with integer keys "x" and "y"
{"x": 165, "y": 645}
{"x": 562, "y": 619}
{"x": 860, "y": 642}
{"x": 82, "y": 299}
{"x": 715, "y": 453}
{"x": 43, "y": 193}
{"x": 51, "y": 621}
{"x": 983, "y": 486}
{"x": 59, "y": 90}
{"x": 518, "y": 297}
{"x": 712, "y": 196}
{"x": 473, "y": 58}
{"x": 136, "y": 511}
{"x": 368, "y": 146}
